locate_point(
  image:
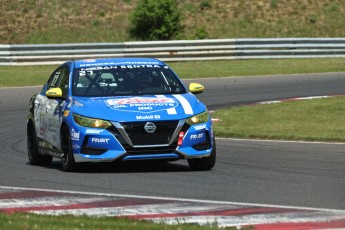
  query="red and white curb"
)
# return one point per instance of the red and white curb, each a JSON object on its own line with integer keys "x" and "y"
{"x": 168, "y": 210}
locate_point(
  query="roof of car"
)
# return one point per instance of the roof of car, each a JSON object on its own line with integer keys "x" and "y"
{"x": 116, "y": 61}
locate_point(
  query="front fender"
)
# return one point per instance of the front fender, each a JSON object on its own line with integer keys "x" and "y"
{"x": 31, "y": 113}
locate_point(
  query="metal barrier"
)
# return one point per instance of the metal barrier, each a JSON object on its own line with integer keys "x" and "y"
{"x": 179, "y": 50}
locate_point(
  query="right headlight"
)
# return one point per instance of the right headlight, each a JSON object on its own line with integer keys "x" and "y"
{"x": 90, "y": 122}
{"x": 197, "y": 119}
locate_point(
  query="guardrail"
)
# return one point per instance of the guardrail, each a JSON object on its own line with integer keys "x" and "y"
{"x": 179, "y": 50}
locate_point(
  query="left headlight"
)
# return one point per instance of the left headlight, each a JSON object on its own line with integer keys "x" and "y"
{"x": 91, "y": 122}
{"x": 200, "y": 118}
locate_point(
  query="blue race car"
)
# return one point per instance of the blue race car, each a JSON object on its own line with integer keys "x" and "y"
{"x": 119, "y": 109}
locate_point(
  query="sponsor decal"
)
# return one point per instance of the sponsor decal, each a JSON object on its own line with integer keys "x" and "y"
{"x": 96, "y": 140}
{"x": 200, "y": 127}
{"x": 194, "y": 137}
{"x": 148, "y": 117}
{"x": 94, "y": 131}
{"x": 143, "y": 104}
{"x": 115, "y": 65}
{"x": 75, "y": 135}
{"x": 138, "y": 66}
{"x": 54, "y": 80}
{"x": 141, "y": 100}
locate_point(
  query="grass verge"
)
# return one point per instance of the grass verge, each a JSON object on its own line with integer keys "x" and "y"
{"x": 310, "y": 120}
{"x": 32, "y": 221}
{"x": 36, "y": 75}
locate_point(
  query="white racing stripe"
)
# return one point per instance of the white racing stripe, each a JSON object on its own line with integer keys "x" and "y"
{"x": 171, "y": 111}
{"x": 185, "y": 104}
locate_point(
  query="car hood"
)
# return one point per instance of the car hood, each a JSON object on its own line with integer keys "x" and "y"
{"x": 139, "y": 108}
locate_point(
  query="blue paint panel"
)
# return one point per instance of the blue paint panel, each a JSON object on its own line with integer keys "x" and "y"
{"x": 96, "y": 95}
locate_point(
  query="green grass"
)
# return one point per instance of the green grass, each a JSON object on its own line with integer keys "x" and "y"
{"x": 47, "y": 21}
{"x": 310, "y": 120}
{"x": 37, "y": 75}
{"x": 231, "y": 68}
{"x": 24, "y": 75}
{"x": 37, "y": 222}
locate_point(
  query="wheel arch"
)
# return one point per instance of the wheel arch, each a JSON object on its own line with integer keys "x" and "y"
{"x": 30, "y": 124}
{"x": 62, "y": 127}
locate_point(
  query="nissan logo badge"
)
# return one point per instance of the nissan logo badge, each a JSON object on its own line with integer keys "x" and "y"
{"x": 150, "y": 127}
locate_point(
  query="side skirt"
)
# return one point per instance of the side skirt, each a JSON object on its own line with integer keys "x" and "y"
{"x": 46, "y": 148}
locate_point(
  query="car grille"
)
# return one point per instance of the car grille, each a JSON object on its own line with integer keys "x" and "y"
{"x": 138, "y": 135}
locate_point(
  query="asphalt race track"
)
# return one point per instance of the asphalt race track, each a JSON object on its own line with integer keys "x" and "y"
{"x": 261, "y": 172}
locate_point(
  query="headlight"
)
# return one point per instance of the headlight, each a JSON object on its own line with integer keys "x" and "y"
{"x": 91, "y": 122}
{"x": 200, "y": 118}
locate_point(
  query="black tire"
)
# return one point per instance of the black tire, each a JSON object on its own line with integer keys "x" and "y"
{"x": 68, "y": 162}
{"x": 34, "y": 157}
{"x": 205, "y": 163}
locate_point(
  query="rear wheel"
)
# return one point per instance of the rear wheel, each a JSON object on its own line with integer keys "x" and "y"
{"x": 68, "y": 162}
{"x": 34, "y": 157}
{"x": 205, "y": 163}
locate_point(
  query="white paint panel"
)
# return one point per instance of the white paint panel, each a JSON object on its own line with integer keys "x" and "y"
{"x": 185, "y": 104}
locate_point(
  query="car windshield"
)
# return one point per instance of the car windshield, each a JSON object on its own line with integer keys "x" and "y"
{"x": 125, "y": 80}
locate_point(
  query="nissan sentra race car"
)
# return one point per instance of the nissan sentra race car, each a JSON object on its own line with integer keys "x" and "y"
{"x": 120, "y": 109}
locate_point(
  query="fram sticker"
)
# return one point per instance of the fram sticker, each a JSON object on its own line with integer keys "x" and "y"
{"x": 143, "y": 104}
{"x": 140, "y": 100}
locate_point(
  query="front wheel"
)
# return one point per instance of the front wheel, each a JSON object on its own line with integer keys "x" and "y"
{"x": 205, "y": 163}
{"x": 68, "y": 162}
{"x": 34, "y": 157}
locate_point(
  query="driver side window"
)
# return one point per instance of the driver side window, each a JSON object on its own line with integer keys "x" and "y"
{"x": 59, "y": 79}
{"x": 63, "y": 84}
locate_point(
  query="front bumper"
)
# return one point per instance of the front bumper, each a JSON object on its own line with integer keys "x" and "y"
{"x": 128, "y": 141}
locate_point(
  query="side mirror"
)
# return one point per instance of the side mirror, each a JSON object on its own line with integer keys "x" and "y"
{"x": 196, "y": 88}
{"x": 54, "y": 93}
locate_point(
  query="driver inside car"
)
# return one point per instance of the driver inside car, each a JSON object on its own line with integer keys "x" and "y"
{"x": 143, "y": 83}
